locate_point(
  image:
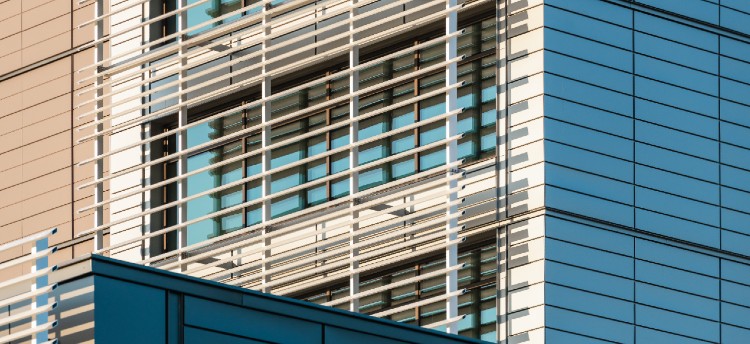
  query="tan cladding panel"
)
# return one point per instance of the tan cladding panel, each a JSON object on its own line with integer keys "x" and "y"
{"x": 46, "y": 12}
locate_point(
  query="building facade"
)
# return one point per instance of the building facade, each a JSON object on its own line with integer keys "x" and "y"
{"x": 514, "y": 171}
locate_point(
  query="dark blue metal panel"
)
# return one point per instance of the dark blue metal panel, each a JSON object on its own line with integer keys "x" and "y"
{"x": 250, "y": 323}
{"x": 128, "y": 313}
{"x": 336, "y": 335}
{"x": 200, "y": 336}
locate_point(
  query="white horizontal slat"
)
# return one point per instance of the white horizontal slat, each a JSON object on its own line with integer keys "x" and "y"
{"x": 298, "y": 237}
{"x": 27, "y": 277}
{"x": 393, "y": 285}
{"x": 420, "y": 303}
{"x": 27, "y": 258}
{"x": 28, "y": 332}
{"x": 385, "y": 262}
{"x": 281, "y": 219}
{"x": 27, "y": 295}
{"x": 277, "y": 145}
{"x": 27, "y": 314}
{"x": 28, "y": 239}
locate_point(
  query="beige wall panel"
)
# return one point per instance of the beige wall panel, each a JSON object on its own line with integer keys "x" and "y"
{"x": 520, "y": 5}
{"x": 526, "y": 88}
{"x": 43, "y": 14}
{"x": 526, "y": 252}
{"x": 48, "y": 200}
{"x": 47, "y": 182}
{"x": 10, "y": 123}
{"x": 39, "y": 149}
{"x": 52, "y": 127}
{"x": 10, "y": 214}
{"x": 9, "y": 8}
{"x": 526, "y": 65}
{"x": 9, "y": 233}
{"x": 80, "y": 61}
{"x": 48, "y": 110}
{"x": 64, "y": 234}
{"x": 86, "y": 221}
{"x": 535, "y": 336}
{"x": 525, "y": 178}
{"x": 30, "y": 4}
{"x": 527, "y": 132}
{"x": 10, "y": 141}
{"x": 12, "y": 103}
{"x": 524, "y": 201}
{"x": 526, "y": 297}
{"x": 9, "y": 159}
{"x": 526, "y": 320}
{"x": 526, "y": 110}
{"x": 47, "y": 48}
{"x": 48, "y": 90}
{"x": 527, "y": 43}
{"x": 527, "y": 155}
{"x": 11, "y": 62}
{"x": 48, "y": 219}
{"x": 46, "y": 73}
{"x": 526, "y": 21}
{"x": 10, "y": 26}
{"x": 11, "y": 43}
{"x": 49, "y": 163}
{"x": 46, "y": 30}
{"x": 61, "y": 255}
{"x": 527, "y": 230}
{"x": 10, "y": 177}
{"x": 527, "y": 274}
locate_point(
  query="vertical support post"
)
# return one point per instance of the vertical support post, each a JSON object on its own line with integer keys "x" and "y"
{"x": 182, "y": 121}
{"x": 265, "y": 141}
{"x": 40, "y": 300}
{"x": 451, "y": 155}
{"x": 99, "y": 142}
{"x": 353, "y": 156}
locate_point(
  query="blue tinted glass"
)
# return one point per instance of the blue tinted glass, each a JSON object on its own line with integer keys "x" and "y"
{"x": 432, "y": 111}
{"x": 372, "y": 178}
{"x": 316, "y": 195}
{"x": 430, "y": 160}
{"x": 315, "y": 172}
{"x": 402, "y": 120}
{"x": 588, "y": 161}
{"x": 676, "y": 184}
{"x": 589, "y": 184}
{"x": 673, "y": 256}
{"x": 647, "y": 335}
{"x": 371, "y": 154}
{"x": 677, "y": 206}
{"x": 427, "y": 136}
{"x": 339, "y": 165}
{"x": 286, "y": 182}
{"x": 340, "y": 188}
{"x": 588, "y": 50}
{"x": 676, "y": 75}
{"x": 588, "y": 72}
{"x": 402, "y": 168}
{"x": 286, "y": 205}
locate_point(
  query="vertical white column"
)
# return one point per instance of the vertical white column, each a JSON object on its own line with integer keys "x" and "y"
{"x": 182, "y": 133}
{"x": 40, "y": 300}
{"x": 353, "y": 156}
{"x": 265, "y": 141}
{"x": 451, "y": 155}
{"x": 99, "y": 142}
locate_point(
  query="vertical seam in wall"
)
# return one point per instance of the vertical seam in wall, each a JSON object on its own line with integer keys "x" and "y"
{"x": 506, "y": 165}
{"x": 632, "y": 71}
{"x": 72, "y": 137}
{"x": 718, "y": 113}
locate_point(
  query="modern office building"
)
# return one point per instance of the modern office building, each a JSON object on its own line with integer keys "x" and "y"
{"x": 517, "y": 171}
